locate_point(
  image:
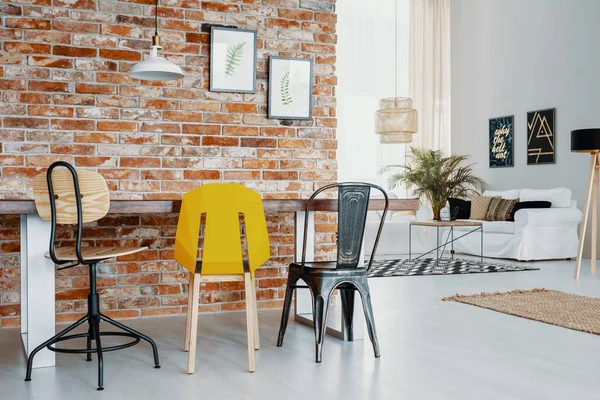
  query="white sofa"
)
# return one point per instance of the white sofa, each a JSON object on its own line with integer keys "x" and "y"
{"x": 536, "y": 234}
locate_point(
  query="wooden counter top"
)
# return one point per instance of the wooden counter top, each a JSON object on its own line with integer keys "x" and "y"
{"x": 13, "y": 207}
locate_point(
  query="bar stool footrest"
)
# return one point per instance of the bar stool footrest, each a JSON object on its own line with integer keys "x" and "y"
{"x": 104, "y": 349}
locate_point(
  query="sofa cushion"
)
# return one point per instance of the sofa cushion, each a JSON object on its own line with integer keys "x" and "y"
{"x": 479, "y": 207}
{"x": 559, "y": 197}
{"x": 500, "y": 209}
{"x": 463, "y": 206}
{"x": 522, "y": 205}
{"x": 507, "y": 194}
{"x": 506, "y": 227}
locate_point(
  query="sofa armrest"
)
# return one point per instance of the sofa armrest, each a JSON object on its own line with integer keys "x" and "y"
{"x": 548, "y": 216}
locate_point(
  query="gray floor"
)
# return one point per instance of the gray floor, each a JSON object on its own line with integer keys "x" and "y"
{"x": 430, "y": 350}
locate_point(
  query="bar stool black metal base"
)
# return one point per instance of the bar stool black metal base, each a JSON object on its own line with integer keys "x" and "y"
{"x": 93, "y": 319}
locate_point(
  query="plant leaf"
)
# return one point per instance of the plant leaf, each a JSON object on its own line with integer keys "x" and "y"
{"x": 284, "y": 89}
{"x": 233, "y": 58}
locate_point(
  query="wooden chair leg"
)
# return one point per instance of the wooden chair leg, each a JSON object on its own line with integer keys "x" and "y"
{"x": 249, "y": 321}
{"x": 255, "y": 312}
{"x": 194, "y": 324}
{"x": 188, "y": 316}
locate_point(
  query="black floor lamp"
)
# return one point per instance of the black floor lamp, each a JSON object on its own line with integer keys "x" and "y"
{"x": 588, "y": 141}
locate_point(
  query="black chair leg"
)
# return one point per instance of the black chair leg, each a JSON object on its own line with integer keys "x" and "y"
{"x": 136, "y": 333}
{"x": 287, "y": 306}
{"x": 347, "y": 297}
{"x": 89, "y": 341}
{"x": 50, "y": 341}
{"x": 99, "y": 351}
{"x": 365, "y": 294}
{"x": 321, "y": 295}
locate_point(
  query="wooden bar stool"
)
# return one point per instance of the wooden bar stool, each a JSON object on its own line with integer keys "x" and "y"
{"x": 221, "y": 259}
{"x": 76, "y": 197}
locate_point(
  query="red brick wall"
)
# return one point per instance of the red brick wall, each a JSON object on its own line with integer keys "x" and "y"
{"x": 65, "y": 95}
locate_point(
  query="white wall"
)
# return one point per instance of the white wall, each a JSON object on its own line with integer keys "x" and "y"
{"x": 514, "y": 56}
{"x": 365, "y": 70}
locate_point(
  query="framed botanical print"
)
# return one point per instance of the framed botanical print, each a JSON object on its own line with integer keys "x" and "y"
{"x": 232, "y": 60}
{"x": 290, "y": 88}
{"x": 501, "y": 141}
{"x": 540, "y": 137}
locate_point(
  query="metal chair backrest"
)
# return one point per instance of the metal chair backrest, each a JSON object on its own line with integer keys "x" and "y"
{"x": 67, "y": 196}
{"x": 353, "y": 204}
{"x": 222, "y": 252}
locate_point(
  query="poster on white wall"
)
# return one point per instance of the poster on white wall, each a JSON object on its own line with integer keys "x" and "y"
{"x": 290, "y": 88}
{"x": 232, "y": 60}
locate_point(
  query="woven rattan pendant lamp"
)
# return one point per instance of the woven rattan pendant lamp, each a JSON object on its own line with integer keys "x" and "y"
{"x": 156, "y": 68}
{"x": 396, "y": 120}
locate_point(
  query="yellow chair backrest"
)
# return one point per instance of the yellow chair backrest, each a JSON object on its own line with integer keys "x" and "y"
{"x": 222, "y": 203}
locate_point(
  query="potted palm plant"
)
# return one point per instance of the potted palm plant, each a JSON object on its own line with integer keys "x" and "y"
{"x": 436, "y": 178}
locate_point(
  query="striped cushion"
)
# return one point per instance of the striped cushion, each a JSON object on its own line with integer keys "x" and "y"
{"x": 500, "y": 209}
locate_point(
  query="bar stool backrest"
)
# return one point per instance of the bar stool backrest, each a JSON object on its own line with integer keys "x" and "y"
{"x": 94, "y": 198}
{"x": 222, "y": 251}
{"x": 67, "y": 196}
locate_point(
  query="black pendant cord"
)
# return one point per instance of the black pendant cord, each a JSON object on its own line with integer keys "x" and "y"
{"x": 156, "y": 18}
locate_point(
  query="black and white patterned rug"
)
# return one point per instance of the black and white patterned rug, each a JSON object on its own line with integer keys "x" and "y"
{"x": 447, "y": 266}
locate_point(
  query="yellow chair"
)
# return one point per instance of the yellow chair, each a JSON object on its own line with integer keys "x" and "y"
{"x": 222, "y": 256}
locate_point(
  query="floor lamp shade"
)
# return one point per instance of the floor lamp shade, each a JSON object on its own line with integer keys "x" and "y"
{"x": 396, "y": 120}
{"x": 585, "y": 140}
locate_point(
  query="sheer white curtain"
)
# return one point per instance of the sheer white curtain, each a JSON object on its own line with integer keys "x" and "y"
{"x": 365, "y": 69}
{"x": 429, "y": 75}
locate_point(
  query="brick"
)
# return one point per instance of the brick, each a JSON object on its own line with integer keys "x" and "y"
{"x": 115, "y": 126}
{"x": 26, "y": 48}
{"x": 220, "y": 141}
{"x": 47, "y": 36}
{"x": 48, "y": 86}
{"x": 296, "y": 14}
{"x": 72, "y": 51}
{"x": 280, "y": 23}
{"x": 258, "y": 142}
{"x": 31, "y": 123}
{"x": 50, "y": 62}
{"x": 73, "y": 125}
{"x": 201, "y": 175}
{"x": 126, "y": 55}
{"x": 50, "y": 111}
{"x": 76, "y": 27}
{"x": 84, "y": 88}
{"x": 27, "y": 23}
{"x": 220, "y": 7}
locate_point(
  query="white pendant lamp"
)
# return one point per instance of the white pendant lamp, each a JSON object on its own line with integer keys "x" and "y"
{"x": 156, "y": 68}
{"x": 396, "y": 120}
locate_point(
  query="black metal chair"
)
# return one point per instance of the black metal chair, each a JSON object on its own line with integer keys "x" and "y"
{"x": 71, "y": 197}
{"x": 324, "y": 277}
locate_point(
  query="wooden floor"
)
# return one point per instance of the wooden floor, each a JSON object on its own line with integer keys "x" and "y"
{"x": 430, "y": 350}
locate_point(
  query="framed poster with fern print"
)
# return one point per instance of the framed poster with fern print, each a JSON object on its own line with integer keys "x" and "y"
{"x": 232, "y": 60}
{"x": 290, "y": 88}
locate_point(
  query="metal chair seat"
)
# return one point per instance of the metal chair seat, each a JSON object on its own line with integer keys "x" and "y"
{"x": 327, "y": 268}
